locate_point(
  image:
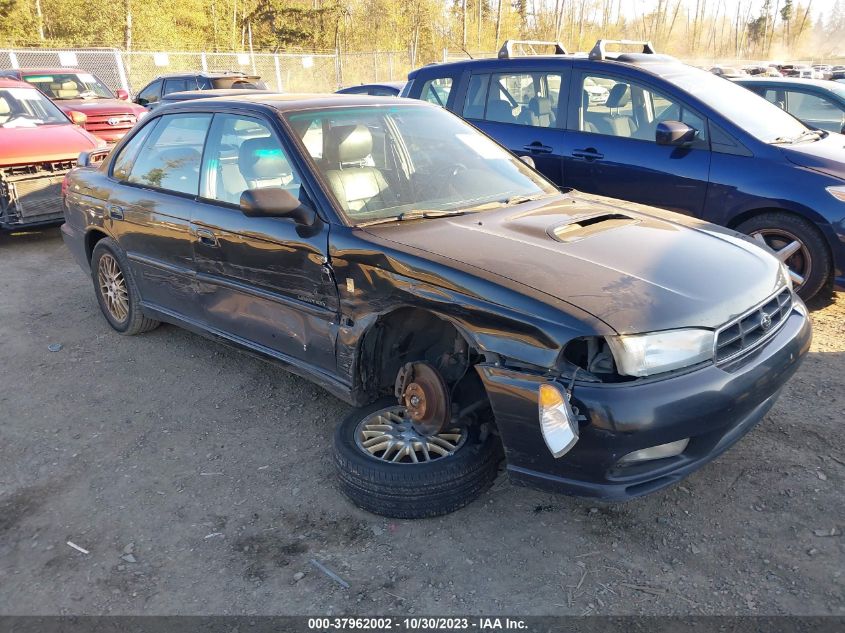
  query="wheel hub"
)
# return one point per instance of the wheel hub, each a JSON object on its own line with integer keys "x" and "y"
{"x": 424, "y": 393}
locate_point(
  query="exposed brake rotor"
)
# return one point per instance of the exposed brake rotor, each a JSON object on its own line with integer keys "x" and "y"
{"x": 422, "y": 390}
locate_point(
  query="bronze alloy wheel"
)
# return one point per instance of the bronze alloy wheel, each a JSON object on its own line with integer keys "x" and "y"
{"x": 112, "y": 285}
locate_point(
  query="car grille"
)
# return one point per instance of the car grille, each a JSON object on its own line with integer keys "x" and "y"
{"x": 110, "y": 122}
{"x": 32, "y": 193}
{"x": 58, "y": 166}
{"x": 753, "y": 327}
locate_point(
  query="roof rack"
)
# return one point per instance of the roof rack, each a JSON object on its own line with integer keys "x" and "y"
{"x": 508, "y": 47}
{"x": 599, "y": 50}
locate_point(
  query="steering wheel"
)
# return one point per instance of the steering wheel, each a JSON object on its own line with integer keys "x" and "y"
{"x": 444, "y": 176}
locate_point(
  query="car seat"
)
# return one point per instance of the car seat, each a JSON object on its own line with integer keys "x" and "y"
{"x": 501, "y": 111}
{"x": 263, "y": 164}
{"x": 357, "y": 187}
{"x": 5, "y": 110}
{"x": 66, "y": 90}
{"x": 620, "y": 124}
{"x": 541, "y": 111}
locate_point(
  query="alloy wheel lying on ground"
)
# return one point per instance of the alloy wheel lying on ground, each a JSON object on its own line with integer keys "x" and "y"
{"x": 387, "y": 467}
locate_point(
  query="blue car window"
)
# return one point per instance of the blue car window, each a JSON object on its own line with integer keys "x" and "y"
{"x": 521, "y": 98}
{"x": 628, "y": 109}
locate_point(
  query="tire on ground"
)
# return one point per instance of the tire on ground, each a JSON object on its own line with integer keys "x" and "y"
{"x": 414, "y": 491}
{"x": 808, "y": 235}
{"x": 136, "y": 322}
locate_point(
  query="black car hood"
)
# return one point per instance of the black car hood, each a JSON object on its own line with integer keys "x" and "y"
{"x": 636, "y": 268}
{"x": 826, "y": 155}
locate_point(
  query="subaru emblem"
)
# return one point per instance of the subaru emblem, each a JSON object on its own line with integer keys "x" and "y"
{"x": 765, "y": 322}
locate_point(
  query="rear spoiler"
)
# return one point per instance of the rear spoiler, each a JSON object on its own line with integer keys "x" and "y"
{"x": 92, "y": 157}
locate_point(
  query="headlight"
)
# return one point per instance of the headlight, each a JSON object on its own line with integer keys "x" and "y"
{"x": 647, "y": 354}
{"x": 837, "y": 192}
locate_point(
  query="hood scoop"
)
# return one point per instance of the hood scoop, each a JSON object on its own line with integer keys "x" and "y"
{"x": 586, "y": 226}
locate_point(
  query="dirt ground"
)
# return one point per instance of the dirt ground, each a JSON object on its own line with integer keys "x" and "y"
{"x": 200, "y": 481}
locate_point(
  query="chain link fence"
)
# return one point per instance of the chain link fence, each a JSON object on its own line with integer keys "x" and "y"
{"x": 286, "y": 72}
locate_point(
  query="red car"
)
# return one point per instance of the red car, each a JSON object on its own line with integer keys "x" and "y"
{"x": 110, "y": 116}
{"x": 39, "y": 144}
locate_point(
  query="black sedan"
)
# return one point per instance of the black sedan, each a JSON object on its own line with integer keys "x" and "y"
{"x": 414, "y": 268}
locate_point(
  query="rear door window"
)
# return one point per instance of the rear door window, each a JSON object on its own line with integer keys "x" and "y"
{"x": 170, "y": 158}
{"x": 530, "y": 98}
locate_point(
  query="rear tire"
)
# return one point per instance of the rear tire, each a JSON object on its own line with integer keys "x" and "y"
{"x": 116, "y": 290}
{"x": 409, "y": 490}
{"x": 812, "y": 261}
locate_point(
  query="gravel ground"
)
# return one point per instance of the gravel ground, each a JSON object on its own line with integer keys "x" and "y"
{"x": 199, "y": 480}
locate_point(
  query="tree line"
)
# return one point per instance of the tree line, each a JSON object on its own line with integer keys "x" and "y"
{"x": 424, "y": 28}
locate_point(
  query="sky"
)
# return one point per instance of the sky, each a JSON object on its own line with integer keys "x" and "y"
{"x": 639, "y": 7}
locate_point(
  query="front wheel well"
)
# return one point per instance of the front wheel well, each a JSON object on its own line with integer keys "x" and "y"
{"x": 408, "y": 335}
{"x": 739, "y": 218}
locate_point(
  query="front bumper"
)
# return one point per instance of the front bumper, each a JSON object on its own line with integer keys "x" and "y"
{"x": 714, "y": 406}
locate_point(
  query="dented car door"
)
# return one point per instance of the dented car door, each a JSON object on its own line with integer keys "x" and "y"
{"x": 263, "y": 280}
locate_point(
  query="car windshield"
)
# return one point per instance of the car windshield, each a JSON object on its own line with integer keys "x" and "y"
{"x": 762, "y": 119}
{"x": 409, "y": 162}
{"x": 70, "y": 86}
{"x": 26, "y": 107}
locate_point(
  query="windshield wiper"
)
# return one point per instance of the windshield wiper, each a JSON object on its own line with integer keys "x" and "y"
{"x": 805, "y": 135}
{"x": 523, "y": 198}
{"x": 415, "y": 214}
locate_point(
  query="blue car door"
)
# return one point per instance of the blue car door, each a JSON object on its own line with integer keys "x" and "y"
{"x": 611, "y": 149}
{"x": 524, "y": 110}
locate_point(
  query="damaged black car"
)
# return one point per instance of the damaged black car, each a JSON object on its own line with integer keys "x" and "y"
{"x": 468, "y": 309}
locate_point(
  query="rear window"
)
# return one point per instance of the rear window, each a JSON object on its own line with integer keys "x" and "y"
{"x": 170, "y": 159}
{"x": 249, "y": 83}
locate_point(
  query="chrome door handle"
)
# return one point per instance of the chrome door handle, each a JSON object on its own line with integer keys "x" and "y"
{"x": 206, "y": 237}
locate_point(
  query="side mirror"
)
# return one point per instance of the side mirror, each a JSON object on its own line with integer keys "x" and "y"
{"x": 122, "y": 94}
{"x": 77, "y": 118}
{"x": 528, "y": 161}
{"x": 674, "y": 133}
{"x": 276, "y": 203}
